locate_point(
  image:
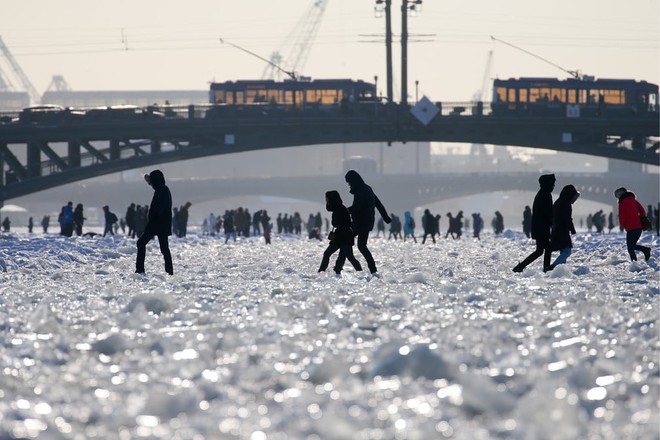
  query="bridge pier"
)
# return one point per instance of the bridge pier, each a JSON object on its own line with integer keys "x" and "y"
{"x": 73, "y": 150}
{"x": 155, "y": 146}
{"x": 115, "y": 151}
{"x": 33, "y": 160}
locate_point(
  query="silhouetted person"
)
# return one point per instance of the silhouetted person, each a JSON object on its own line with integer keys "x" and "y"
{"x": 110, "y": 219}
{"x": 630, "y": 213}
{"x": 30, "y": 225}
{"x": 66, "y": 220}
{"x": 159, "y": 223}
{"x": 78, "y": 219}
{"x": 409, "y": 226}
{"x": 380, "y": 227}
{"x": 428, "y": 225}
{"x": 45, "y": 222}
{"x": 541, "y": 222}
{"x": 130, "y": 220}
{"x": 527, "y": 221}
{"x": 362, "y": 212}
{"x": 562, "y": 224}
{"x": 477, "y": 225}
{"x": 498, "y": 223}
{"x": 182, "y": 220}
{"x": 342, "y": 237}
{"x": 6, "y": 224}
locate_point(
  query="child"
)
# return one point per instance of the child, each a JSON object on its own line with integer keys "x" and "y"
{"x": 343, "y": 235}
{"x": 562, "y": 224}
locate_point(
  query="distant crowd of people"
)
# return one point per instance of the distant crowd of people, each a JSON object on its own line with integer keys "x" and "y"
{"x": 549, "y": 223}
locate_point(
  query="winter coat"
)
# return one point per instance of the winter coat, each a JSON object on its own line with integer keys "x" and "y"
{"x": 542, "y": 209}
{"x": 428, "y": 222}
{"x": 364, "y": 202}
{"x": 160, "y": 210}
{"x": 409, "y": 224}
{"x": 341, "y": 219}
{"x": 562, "y": 219}
{"x": 630, "y": 211}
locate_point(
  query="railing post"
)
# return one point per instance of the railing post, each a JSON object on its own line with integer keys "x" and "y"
{"x": 191, "y": 111}
{"x": 114, "y": 149}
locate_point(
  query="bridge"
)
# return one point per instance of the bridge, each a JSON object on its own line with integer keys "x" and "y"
{"x": 37, "y": 157}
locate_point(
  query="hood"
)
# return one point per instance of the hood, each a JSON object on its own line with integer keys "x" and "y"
{"x": 407, "y": 215}
{"x": 157, "y": 178}
{"x": 354, "y": 180}
{"x": 332, "y": 200}
{"x": 547, "y": 181}
{"x": 570, "y": 193}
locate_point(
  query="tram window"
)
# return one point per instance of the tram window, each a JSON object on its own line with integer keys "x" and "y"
{"x": 594, "y": 96}
{"x": 288, "y": 97}
{"x": 310, "y": 96}
{"x": 572, "y": 96}
{"x": 328, "y": 96}
{"x": 614, "y": 97}
{"x": 501, "y": 94}
{"x": 534, "y": 94}
{"x": 557, "y": 95}
{"x": 298, "y": 100}
{"x": 512, "y": 95}
{"x": 582, "y": 96}
{"x": 273, "y": 95}
{"x": 545, "y": 94}
{"x": 522, "y": 95}
{"x": 240, "y": 97}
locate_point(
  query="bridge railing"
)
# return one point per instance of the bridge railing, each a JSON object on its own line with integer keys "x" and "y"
{"x": 378, "y": 109}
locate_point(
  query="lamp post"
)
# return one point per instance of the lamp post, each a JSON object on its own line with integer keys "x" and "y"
{"x": 414, "y": 7}
{"x": 416, "y": 91}
{"x": 386, "y": 5}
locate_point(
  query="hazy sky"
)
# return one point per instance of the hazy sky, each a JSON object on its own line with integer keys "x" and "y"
{"x": 165, "y": 44}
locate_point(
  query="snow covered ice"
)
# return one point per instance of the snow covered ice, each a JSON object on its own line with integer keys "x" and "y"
{"x": 248, "y": 341}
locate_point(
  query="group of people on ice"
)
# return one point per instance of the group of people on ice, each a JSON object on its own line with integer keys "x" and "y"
{"x": 552, "y": 223}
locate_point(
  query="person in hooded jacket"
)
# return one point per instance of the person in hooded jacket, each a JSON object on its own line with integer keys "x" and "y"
{"x": 159, "y": 223}
{"x": 362, "y": 212}
{"x": 541, "y": 222}
{"x": 343, "y": 239}
{"x": 562, "y": 225}
{"x": 428, "y": 224}
{"x": 630, "y": 213}
{"x": 409, "y": 226}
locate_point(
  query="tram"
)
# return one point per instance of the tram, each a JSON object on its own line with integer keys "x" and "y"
{"x": 292, "y": 93}
{"x": 575, "y": 97}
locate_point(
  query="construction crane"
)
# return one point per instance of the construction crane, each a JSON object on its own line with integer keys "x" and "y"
{"x": 481, "y": 95}
{"x": 35, "y": 98}
{"x": 302, "y": 35}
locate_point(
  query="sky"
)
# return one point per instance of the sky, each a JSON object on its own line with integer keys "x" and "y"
{"x": 173, "y": 45}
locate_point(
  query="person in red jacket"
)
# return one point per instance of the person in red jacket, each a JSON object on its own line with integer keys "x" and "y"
{"x": 630, "y": 211}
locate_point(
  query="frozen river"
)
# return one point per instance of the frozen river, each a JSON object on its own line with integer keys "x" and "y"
{"x": 248, "y": 341}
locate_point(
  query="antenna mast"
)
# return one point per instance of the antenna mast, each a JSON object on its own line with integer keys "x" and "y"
{"x": 574, "y": 73}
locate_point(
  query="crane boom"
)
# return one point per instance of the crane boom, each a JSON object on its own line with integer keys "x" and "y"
{"x": 303, "y": 35}
{"x": 34, "y": 95}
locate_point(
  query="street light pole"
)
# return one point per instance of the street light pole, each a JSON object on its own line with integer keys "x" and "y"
{"x": 404, "y": 52}
{"x": 388, "y": 49}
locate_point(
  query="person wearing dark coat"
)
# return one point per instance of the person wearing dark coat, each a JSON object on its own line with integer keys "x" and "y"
{"x": 30, "y": 225}
{"x": 630, "y": 213}
{"x": 541, "y": 222}
{"x": 562, "y": 224}
{"x": 363, "y": 215}
{"x": 110, "y": 220}
{"x": 343, "y": 239}
{"x": 78, "y": 219}
{"x": 428, "y": 224}
{"x": 159, "y": 222}
{"x": 527, "y": 221}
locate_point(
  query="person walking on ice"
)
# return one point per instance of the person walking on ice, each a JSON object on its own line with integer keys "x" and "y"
{"x": 562, "y": 224}
{"x": 631, "y": 216}
{"x": 342, "y": 237}
{"x": 159, "y": 222}
{"x": 362, "y": 212}
{"x": 541, "y": 222}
